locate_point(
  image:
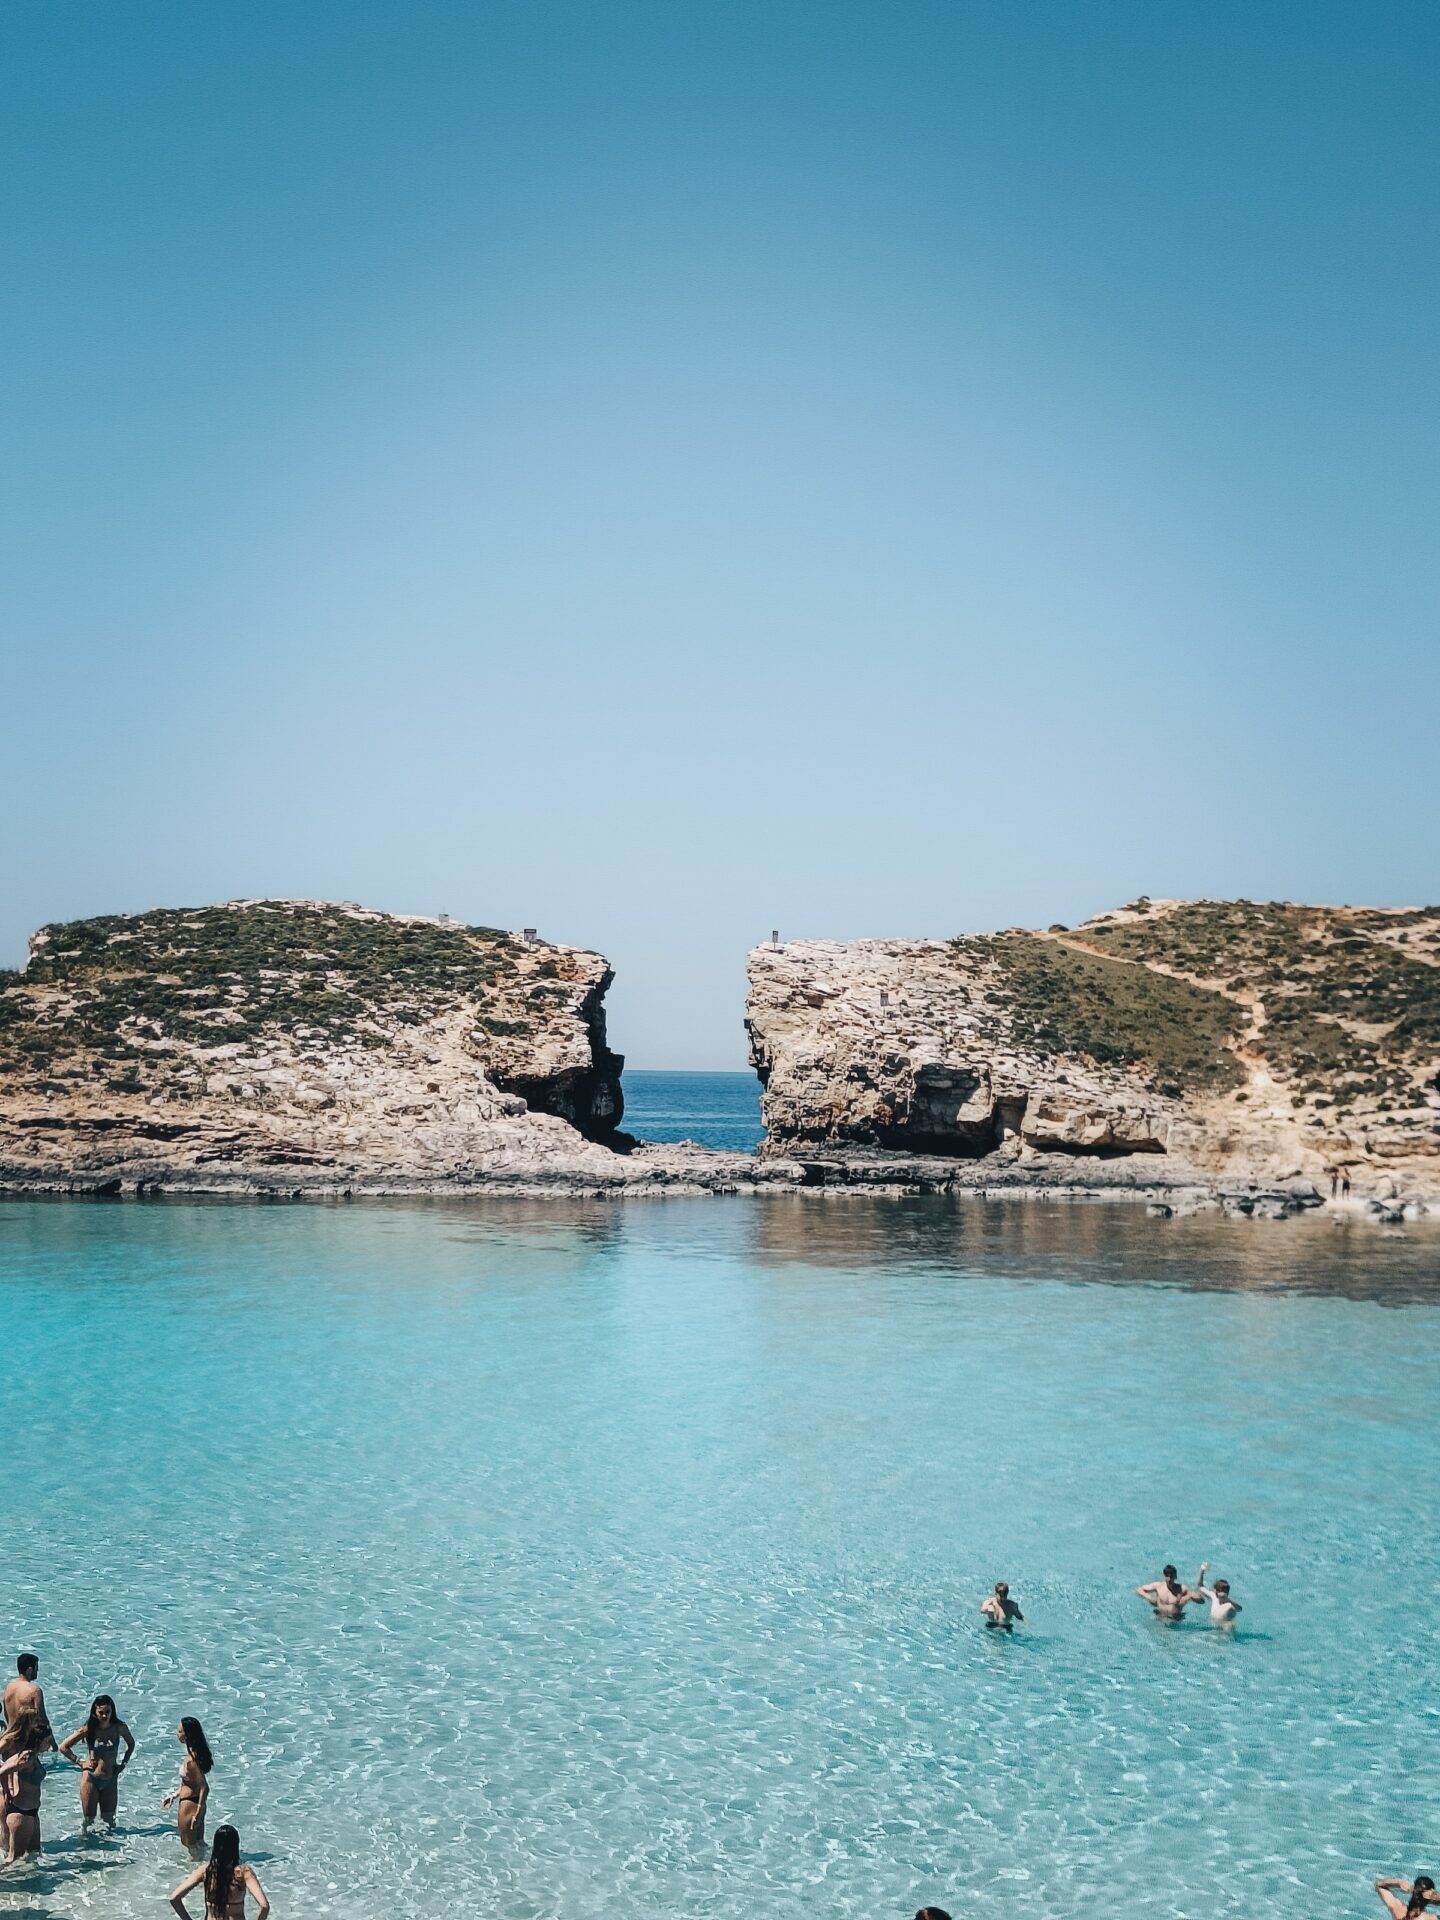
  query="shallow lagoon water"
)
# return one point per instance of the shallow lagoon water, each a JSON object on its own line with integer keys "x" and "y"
{"x": 587, "y": 1559}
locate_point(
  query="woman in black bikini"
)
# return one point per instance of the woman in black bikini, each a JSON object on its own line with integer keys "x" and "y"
{"x": 227, "y": 1882}
{"x": 22, "y": 1775}
{"x": 194, "y": 1789}
{"x": 102, "y": 1734}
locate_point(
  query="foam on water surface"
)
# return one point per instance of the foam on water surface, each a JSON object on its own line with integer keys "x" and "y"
{"x": 595, "y": 1559}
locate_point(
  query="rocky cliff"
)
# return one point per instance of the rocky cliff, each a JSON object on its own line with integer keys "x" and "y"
{"x": 1197, "y": 1042}
{"x": 291, "y": 1046}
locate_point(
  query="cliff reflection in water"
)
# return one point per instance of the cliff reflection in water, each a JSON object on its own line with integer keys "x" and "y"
{"x": 1107, "y": 1243}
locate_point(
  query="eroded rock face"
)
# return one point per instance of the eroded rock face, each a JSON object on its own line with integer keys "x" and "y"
{"x": 294, "y": 1043}
{"x": 1257, "y": 1043}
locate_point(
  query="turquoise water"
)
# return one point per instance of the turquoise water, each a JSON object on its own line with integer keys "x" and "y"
{"x": 717, "y": 1109}
{"x": 623, "y": 1559}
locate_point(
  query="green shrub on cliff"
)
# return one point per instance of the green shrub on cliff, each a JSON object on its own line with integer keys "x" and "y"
{"x": 128, "y": 988}
{"x": 1063, "y": 1001}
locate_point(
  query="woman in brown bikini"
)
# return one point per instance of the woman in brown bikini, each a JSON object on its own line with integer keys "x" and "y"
{"x": 21, "y": 1777}
{"x": 227, "y": 1881}
{"x": 102, "y": 1734}
{"x": 194, "y": 1789}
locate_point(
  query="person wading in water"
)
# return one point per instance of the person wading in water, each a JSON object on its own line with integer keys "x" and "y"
{"x": 227, "y": 1881}
{"x": 194, "y": 1788}
{"x": 100, "y": 1774}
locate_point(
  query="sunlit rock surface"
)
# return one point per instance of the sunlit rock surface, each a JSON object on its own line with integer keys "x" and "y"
{"x": 1176, "y": 1043}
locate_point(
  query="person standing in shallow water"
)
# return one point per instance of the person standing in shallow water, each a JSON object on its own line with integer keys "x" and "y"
{"x": 100, "y": 1774}
{"x": 227, "y": 1881}
{"x": 1222, "y": 1608}
{"x": 24, "y": 1694}
{"x": 1000, "y": 1610}
{"x": 190, "y": 1796}
{"x": 22, "y": 1775}
{"x": 1167, "y": 1595}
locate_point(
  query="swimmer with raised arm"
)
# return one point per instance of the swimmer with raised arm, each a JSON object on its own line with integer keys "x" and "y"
{"x": 1420, "y": 1894}
{"x": 100, "y": 1774}
{"x": 1000, "y": 1610}
{"x": 1222, "y": 1608}
{"x": 1168, "y": 1595}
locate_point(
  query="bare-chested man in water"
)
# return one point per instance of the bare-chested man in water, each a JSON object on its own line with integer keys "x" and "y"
{"x": 1168, "y": 1596}
{"x": 24, "y": 1694}
{"x": 1222, "y": 1608}
{"x": 999, "y": 1609}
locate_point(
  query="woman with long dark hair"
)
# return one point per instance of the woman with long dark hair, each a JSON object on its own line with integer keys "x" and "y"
{"x": 227, "y": 1881}
{"x": 1420, "y": 1895}
{"x": 194, "y": 1788}
{"x": 102, "y": 1734}
{"x": 22, "y": 1775}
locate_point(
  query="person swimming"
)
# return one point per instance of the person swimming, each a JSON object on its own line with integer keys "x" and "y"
{"x": 1000, "y": 1610}
{"x": 227, "y": 1881}
{"x": 22, "y": 1775}
{"x": 1222, "y": 1608}
{"x": 1167, "y": 1595}
{"x": 1419, "y": 1894}
{"x": 190, "y": 1796}
{"x": 99, "y": 1775}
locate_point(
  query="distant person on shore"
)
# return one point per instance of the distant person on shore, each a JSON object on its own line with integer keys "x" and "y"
{"x": 1419, "y": 1894}
{"x": 22, "y": 1775}
{"x": 1334, "y": 1181}
{"x": 1168, "y": 1596}
{"x": 227, "y": 1881}
{"x": 24, "y": 1694}
{"x": 1345, "y": 1184}
{"x": 1222, "y": 1608}
{"x": 1000, "y": 1610}
{"x": 100, "y": 1773}
{"x": 190, "y": 1796}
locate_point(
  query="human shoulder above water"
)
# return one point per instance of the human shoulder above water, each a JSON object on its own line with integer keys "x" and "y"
{"x": 24, "y": 1694}
{"x": 1420, "y": 1896}
{"x": 1222, "y": 1608}
{"x": 1169, "y": 1596}
{"x": 227, "y": 1881}
{"x": 999, "y": 1609}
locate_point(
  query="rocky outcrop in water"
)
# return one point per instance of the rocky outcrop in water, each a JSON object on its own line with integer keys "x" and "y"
{"x": 1203, "y": 1042}
{"x": 299, "y": 1046}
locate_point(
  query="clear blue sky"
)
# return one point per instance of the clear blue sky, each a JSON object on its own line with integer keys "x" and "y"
{"x": 660, "y": 471}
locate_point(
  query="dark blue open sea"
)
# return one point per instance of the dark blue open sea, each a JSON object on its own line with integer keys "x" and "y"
{"x": 717, "y": 1109}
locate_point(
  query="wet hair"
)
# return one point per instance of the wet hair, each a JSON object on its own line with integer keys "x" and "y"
{"x": 27, "y": 1665}
{"x": 92, "y": 1725}
{"x": 1222, "y": 1586}
{"x": 1002, "y": 1587}
{"x": 932, "y": 1913}
{"x": 1420, "y": 1890}
{"x": 1169, "y": 1573}
{"x": 220, "y": 1870}
{"x": 198, "y": 1747}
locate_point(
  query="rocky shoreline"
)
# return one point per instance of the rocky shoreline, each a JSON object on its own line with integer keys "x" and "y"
{"x": 306, "y": 1050}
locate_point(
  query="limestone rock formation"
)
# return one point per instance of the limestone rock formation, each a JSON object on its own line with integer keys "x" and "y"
{"x": 296, "y": 1046}
{"x": 1222, "y": 1041}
